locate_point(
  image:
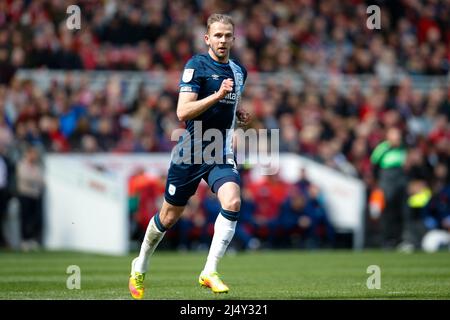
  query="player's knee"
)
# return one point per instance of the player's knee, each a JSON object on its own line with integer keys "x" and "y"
{"x": 232, "y": 204}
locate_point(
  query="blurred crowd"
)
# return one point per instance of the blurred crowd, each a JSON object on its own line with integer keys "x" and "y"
{"x": 274, "y": 214}
{"x": 288, "y": 35}
{"x": 336, "y": 127}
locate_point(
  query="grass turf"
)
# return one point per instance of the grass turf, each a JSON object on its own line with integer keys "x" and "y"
{"x": 261, "y": 275}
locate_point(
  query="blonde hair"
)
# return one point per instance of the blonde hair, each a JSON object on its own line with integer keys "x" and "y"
{"x": 217, "y": 17}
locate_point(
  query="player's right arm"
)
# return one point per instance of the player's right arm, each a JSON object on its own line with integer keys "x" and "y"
{"x": 189, "y": 107}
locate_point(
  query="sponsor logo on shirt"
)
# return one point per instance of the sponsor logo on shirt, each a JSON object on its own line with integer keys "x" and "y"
{"x": 186, "y": 89}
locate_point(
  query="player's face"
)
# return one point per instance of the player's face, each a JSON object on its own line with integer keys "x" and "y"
{"x": 220, "y": 39}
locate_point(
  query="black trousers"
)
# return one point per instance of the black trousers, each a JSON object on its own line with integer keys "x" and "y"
{"x": 31, "y": 218}
{"x": 4, "y": 197}
{"x": 395, "y": 220}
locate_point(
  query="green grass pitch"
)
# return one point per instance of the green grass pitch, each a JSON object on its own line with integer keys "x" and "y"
{"x": 272, "y": 275}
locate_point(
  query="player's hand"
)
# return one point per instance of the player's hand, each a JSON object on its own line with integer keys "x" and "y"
{"x": 243, "y": 116}
{"x": 226, "y": 87}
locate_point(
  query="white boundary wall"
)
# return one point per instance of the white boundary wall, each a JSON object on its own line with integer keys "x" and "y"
{"x": 85, "y": 210}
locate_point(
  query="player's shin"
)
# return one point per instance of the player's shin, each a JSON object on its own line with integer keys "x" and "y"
{"x": 224, "y": 228}
{"x": 153, "y": 236}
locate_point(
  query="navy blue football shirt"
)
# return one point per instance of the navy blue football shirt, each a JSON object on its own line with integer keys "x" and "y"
{"x": 203, "y": 75}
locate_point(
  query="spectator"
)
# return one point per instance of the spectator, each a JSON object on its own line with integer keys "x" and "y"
{"x": 304, "y": 221}
{"x": 436, "y": 213}
{"x": 144, "y": 192}
{"x": 320, "y": 233}
{"x": 293, "y": 219}
{"x": 388, "y": 159}
{"x": 245, "y": 229}
{"x": 268, "y": 194}
{"x": 191, "y": 231}
{"x": 5, "y": 182}
{"x": 30, "y": 185}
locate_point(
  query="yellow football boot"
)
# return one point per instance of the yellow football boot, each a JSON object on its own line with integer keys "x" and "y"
{"x": 136, "y": 283}
{"x": 213, "y": 282}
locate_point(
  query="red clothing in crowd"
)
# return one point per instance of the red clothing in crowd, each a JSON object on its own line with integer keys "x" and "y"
{"x": 268, "y": 194}
{"x": 147, "y": 189}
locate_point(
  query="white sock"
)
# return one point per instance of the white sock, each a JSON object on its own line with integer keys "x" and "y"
{"x": 223, "y": 233}
{"x": 151, "y": 240}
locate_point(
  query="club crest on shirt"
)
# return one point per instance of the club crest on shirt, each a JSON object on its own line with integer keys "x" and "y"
{"x": 187, "y": 75}
{"x": 172, "y": 189}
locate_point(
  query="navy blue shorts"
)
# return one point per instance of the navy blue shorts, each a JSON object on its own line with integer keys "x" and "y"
{"x": 183, "y": 180}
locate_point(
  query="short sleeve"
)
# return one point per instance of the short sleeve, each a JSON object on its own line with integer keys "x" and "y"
{"x": 191, "y": 77}
{"x": 245, "y": 74}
